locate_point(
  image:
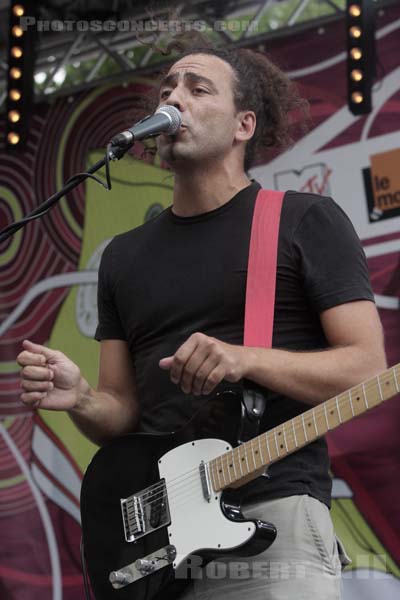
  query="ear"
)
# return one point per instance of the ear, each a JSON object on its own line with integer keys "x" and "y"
{"x": 246, "y": 125}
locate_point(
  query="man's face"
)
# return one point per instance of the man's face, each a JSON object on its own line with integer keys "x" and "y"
{"x": 201, "y": 87}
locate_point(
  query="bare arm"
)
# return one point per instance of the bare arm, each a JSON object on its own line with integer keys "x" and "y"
{"x": 353, "y": 330}
{"x": 50, "y": 380}
{"x": 112, "y": 409}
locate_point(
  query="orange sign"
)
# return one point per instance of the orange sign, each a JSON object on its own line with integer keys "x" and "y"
{"x": 385, "y": 177}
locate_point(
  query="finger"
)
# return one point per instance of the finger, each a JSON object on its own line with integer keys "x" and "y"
{"x": 36, "y": 386}
{"x": 181, "y": 357}
{"x": 195, "y": 361}
{"x": 48, "y": 353}
{"x": 165, "y": 363}
{"x": 29, "y": 358}
{"x": 203, "y": 373}
{"x": 37, "y": 373}
{"x": 213, "y": 379}
{"x": 32, "y": 399}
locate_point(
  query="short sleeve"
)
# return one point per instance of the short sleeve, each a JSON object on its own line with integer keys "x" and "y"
{"x": 109, "y": 323}
{"x": 333, "y": 261}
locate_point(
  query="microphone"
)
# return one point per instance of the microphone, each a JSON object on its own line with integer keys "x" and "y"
{"x": 166, "y": 119}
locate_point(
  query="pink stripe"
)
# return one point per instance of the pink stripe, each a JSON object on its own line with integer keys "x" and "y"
{"x": 261, "y": 274}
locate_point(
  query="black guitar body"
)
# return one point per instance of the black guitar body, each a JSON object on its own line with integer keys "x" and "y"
{"x": 125, "y": 467}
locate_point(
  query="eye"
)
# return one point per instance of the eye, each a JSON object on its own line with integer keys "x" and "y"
{"x": 200, "y": 90}
{"x": 164, "y": 94}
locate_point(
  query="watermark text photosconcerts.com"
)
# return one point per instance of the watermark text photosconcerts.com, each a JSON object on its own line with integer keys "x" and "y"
{"x": 145, "y": 26}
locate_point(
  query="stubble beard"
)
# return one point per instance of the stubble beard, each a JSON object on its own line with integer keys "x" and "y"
{"x": 175, "y": 153}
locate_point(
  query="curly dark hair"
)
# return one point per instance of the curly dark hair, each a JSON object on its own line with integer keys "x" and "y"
{"x": 261, "y": 86}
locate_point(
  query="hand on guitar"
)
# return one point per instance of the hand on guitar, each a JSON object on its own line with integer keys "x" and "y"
{"x": 48, "y": 377}
{"x": 202, "y": 362}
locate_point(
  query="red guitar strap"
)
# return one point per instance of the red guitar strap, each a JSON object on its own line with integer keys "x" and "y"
{"x": 260, "y": 297}
{"x": 261, "y": 270}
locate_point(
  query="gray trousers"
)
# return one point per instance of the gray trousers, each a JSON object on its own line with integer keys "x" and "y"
{"x": 302, "y": 563}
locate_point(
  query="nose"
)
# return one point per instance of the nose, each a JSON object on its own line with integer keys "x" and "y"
{"x": 175, "y": 99}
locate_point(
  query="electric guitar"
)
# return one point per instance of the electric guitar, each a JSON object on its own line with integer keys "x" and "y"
{"x": 155, "y": 508}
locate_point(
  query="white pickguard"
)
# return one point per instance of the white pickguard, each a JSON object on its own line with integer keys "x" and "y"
{"x": 197, "y": 524}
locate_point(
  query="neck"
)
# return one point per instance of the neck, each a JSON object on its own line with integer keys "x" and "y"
{"x": 202, "y": 189}
{"x": 247, "y": 461}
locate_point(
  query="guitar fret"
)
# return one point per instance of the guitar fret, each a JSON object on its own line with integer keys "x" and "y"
{"x": 260, "y": 449}
{"x": 245, "y": 456}
{"x": 315, "y": 423}
{"x": 222, "y": 469}
{"x": 252, "y": 453}
{"x": 240, "y": 462}
{"x": 211, "y": 474}
{"x": 294, "y": 434}
{"x": 395, "y": 379}
{"x": 268, "y": 450}
{"x": 284, "y": 437}
{"x": 276, "y": 443}
{"x": 338, "y": 409}
{"x": 233, "y": 464}
{"x": 365, "y": 396}
{"x": 218, "y": 473}
{"x": 304, "y": 427}
{"x": 212, "y": 470}
{"x": 379, "y": 386}
{"x": 239, "y": 451}
{"x": 351, "y": 404}
{"x": 228, "y": 468}
{"x": 215, "y": 475}
{"x": 326, "y": 417}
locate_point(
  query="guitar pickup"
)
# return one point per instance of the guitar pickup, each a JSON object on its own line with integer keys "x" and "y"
{"x": 205, "y": 481}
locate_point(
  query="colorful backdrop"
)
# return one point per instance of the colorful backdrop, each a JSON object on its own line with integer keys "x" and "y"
{"x": 48, "y": 274}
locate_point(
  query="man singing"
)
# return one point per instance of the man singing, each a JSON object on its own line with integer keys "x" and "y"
{"x": 171, "y": 314}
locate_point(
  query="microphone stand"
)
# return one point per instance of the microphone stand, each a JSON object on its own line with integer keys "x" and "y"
{"x": 113, "y": 153}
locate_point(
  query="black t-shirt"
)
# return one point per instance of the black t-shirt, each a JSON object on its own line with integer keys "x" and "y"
{"x": 173, "y": 276}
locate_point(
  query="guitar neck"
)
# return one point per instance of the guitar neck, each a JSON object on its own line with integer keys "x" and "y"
{"x": 243, "y": 463}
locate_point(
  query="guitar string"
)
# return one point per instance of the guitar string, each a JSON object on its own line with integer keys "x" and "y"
{"x": 178, "y": 500}
{"x": 224, "y": 459}
{"x": 252, "y": 445}
{"x": 194, "y": 492}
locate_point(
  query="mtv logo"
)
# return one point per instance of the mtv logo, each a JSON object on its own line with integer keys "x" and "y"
{"x": 312, "y": 178}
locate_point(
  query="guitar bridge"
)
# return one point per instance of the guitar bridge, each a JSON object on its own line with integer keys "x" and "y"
{"x": 145, "y": 511}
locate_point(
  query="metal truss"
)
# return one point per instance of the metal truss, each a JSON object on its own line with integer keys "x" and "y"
{"x": 81, "y": 56}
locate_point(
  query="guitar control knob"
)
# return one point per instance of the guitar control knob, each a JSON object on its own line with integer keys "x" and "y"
{"x": 120, "y": 577}
{"x": 145, "y": 566}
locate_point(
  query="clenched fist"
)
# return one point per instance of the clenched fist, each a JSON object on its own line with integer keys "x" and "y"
{"x": 48, "y": 377}
{"x": 202, "y": 362}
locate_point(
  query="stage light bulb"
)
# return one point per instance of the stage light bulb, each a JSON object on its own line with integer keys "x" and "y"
{"x": 15, "y": 73}
{"x": 16, "y": 52}
{"x": 357, "y": 97}
{"x": 356, "y": 75}
{"x": 17, "y": 31}
{"x": 14, "y": 95}
{"x": 18, "y": 10}
{"x": 355, "y": 32}
{"x": 356, "y": 53}
{"x": 354, "y": 10}
{"x": 14, "y": 116}
{"x": 13, "y": 138}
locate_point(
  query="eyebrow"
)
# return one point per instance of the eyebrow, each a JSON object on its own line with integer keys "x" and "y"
{"x": 190, "y": 77}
